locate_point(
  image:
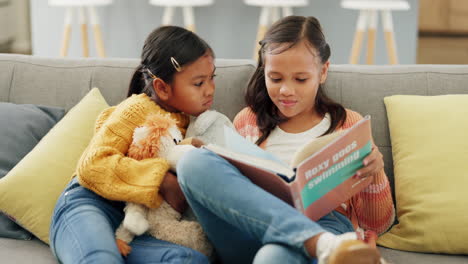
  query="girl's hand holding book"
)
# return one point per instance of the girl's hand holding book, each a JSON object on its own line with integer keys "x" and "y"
{"x": 373, "y": 164}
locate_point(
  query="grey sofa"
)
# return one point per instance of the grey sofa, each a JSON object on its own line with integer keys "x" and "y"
{"x": 62, "y": 82}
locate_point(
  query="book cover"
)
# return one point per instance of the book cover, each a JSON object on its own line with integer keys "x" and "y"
{"x": 320, "y": 177}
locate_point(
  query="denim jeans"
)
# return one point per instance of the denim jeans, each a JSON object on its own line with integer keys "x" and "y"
{"x": 245, "y": 223}
{"x": 82, "y": 231}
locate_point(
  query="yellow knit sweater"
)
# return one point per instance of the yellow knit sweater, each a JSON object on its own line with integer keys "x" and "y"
{"x": 104, "y": 167}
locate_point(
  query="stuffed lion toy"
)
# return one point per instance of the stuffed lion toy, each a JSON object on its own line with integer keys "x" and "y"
{"x": 158, "y": 137}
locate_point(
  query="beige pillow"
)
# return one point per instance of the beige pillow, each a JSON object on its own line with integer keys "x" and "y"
{"x": 28, "y": 193}
{"x": 429, "y": 137}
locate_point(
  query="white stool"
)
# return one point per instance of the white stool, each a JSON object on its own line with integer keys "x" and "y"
{"x": 270, "y": 13}
{"x": 368, "y": 20}
{"x": 187, "y": 8}
{"x": 82, "y": 6}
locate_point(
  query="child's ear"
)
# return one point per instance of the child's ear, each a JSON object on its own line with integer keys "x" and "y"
{"x": 162, "y": 89}
{"x": 324, "y": 72}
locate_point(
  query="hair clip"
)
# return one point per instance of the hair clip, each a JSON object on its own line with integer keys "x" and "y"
{"x": 176, "y": 64}
{"x": 151, "y": 74}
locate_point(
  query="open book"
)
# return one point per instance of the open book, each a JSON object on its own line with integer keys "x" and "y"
{"x": 319, "y": 178}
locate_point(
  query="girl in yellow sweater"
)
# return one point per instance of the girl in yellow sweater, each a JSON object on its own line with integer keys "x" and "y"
{"x": 175, "y": 76}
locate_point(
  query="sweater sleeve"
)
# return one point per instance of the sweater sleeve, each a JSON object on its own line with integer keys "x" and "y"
{"x": 245, "y": 123}
{"x": 105, "y": 169}
{"x": 373, "y": 206}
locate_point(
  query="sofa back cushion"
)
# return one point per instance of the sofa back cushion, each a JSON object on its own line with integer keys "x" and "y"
{"x": 362, "y": 89}
{"x": 63, "y": 82}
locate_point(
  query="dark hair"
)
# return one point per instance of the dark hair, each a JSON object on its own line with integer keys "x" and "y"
{"x": 160, "y": 45}
{"x": 290, "y": 30}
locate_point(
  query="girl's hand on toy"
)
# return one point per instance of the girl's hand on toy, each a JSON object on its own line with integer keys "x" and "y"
{"x": 373, "y": 164}
{"x": 196, "y": 142}
{"x": 172, "y": 193}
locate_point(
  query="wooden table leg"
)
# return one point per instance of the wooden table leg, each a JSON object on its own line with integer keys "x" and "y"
{"x": 84, "y": 32}
{"x": 274, "y": 14}
{"x": 189, "y": 18}
{"x": 358, "y": 37}
{"x": 371, "y": 36}
{"x": 66, "y": 32}
{"x": 168, "y": 15}
{"x": 287, "y": 11}
{"x": 94, "y": 20}
{"x": 262, "y": 29}
{"x": 389, "y": 36}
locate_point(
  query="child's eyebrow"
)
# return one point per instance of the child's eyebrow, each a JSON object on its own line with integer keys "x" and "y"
{"x": 203, "y": 76}
{"x": 275, "y": 72}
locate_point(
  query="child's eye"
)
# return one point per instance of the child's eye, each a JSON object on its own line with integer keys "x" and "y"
{"x": 301, "y": 80}
{"x": 275, "y": 80}
{"x": 199, "y": 84}
{"x": 213, "y": 76}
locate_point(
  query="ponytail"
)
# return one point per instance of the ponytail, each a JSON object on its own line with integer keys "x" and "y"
{"x": 137, "y": 83}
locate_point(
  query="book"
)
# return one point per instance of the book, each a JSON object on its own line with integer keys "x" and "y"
{"x": 320, "y": 176}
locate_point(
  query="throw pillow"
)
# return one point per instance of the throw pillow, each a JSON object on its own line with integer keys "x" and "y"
{"x": 28, "y": 193}
{"x": 23, "y": 125}
{"x": 430, "y": 153}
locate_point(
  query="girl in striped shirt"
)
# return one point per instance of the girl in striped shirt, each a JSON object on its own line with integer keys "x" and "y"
{"x": 286, "y": 106}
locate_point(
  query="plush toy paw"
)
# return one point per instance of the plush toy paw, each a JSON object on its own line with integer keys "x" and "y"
{"x": 123, "y": 247}
{"x": 136, "y": 223}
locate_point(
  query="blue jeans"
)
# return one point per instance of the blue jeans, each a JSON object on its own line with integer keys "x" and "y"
{"x": 82, "y": 231}
{"x": 245, "y": 223}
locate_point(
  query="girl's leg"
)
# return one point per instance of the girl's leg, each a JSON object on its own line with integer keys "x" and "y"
{"x": 82, "y": 231}
{"x": 232, "y": 245}
{"x": 147, "y": 249}
{"x": 278, "y": 254}
{"x": 216, "y": 189}
{"x": 334, "y": 222}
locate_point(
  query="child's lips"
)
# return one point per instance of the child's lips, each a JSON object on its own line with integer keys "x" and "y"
{"x": 288, "y": 103}
{"x": 208, "y": 103}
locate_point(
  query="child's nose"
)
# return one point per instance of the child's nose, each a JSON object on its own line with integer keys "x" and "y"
{"x": 286, "y": 89}
{"x": 209, "y": 91}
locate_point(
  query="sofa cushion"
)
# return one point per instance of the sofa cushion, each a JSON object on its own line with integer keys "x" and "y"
{"x": 28, "y": 193}
{"x": 25, "y": 252}
{"x": 404, "y": 257}
{"x": 430, "y": 153}
{"x": 23, "y": 125}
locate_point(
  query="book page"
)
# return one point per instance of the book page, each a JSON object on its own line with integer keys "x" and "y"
{"x": 237, "y": 143}
{"x": 259, "y": 162}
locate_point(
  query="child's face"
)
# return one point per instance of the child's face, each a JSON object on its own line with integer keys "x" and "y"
{"x": 193, "y": 88}
{"x": 292, "y": 78}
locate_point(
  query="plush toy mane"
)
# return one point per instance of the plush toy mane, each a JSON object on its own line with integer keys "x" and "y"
{"x": 147, "y": 137}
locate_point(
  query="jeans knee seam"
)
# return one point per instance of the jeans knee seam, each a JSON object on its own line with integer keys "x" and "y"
{"x": 67, "y": 225}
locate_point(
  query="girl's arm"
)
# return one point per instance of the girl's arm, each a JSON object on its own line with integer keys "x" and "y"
{"x": 373, "y": 206}
{"x": 245, "y": 123}
{"x": 105, "y": 169}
